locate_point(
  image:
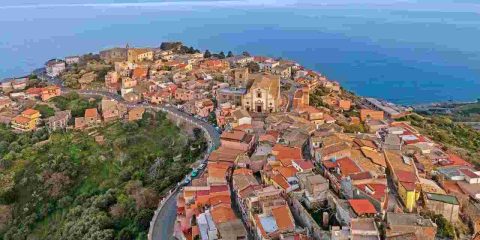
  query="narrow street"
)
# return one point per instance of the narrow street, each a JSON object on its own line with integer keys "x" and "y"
{"x": 163, "y": 227}
{"x": 164, "y": 223}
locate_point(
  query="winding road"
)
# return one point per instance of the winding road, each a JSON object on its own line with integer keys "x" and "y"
{"x": 163, "y": 224}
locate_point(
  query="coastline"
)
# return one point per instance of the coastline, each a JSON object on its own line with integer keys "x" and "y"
{"x": 415, "y": 106}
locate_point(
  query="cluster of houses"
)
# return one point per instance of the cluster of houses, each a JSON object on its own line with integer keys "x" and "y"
{"x": 110, "y": 111}
{"x": 18, "y": 99}
{"x": 282, "y": 158}
{"x": 287, "y": 169}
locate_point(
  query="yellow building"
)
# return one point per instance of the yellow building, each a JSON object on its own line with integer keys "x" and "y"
{"x": 26, "y": 121}
{"x": 264, "y": 94}
{"x": 408, "y": 195}
{"x": 139, "y": 55}
{"x": 405, "y": 178}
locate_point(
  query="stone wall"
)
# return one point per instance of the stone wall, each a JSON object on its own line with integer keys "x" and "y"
{"x": 306, "y": 220}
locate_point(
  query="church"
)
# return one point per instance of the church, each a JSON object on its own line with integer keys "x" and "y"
{"x": 263, "y": 96}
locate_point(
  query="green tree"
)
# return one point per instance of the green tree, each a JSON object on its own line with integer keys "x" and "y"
{"x": 45, "y": 110}
{"x": 229, "y": 54}
{"x": 253, "y": 67}
{"x": 125, "y": 234}
{"x": 143, "y": 218}
{"x": 207, "y": 54}
{"x": 221, "y": 55}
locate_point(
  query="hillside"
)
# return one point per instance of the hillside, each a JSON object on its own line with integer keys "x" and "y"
{"x": 68, "y": 186}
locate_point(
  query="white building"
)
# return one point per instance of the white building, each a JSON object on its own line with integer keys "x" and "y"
{"x": 55, "y": 67}
{"x": 72, "y": 60}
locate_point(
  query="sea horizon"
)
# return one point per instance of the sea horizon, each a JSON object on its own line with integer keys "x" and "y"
{"x": 406, "y": 52}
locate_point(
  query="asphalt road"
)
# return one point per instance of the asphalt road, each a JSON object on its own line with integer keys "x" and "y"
{"x": 164, "y": 224}
{"x": 163, "y": 227}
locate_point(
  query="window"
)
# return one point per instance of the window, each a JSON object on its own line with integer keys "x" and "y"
{"x": 240, "y": 76}
{"x": 259, "y": 94}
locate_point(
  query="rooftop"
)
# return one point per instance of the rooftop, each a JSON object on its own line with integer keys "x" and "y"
{"x": 362, "y": 206}
{"x": 442, "y": 198}
{"x": 91, "y": 112}
{"x": 408, "y": 219}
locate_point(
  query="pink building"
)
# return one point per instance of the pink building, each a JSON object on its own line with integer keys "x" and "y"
{"x": 204, "y": 107}
{"x": 184, "y": 95}
{"x": 237, "y": 140}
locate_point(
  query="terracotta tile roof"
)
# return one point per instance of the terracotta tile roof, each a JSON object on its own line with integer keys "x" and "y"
{"x": 329, "y": 164}
{"x": 91, "y": 112}
{"x": 140, "y": 72}
{"x": 282, "y": 152}
{"x": 222, "y": 213}
{"x": 286, "y": 172}
{"x": 405, "y": 176}
{"x": 137, "y": 111}
{"x": 451, "y": 187}
{"x": 361, "y": 176}
{"x": 304, "y": 164}
{"x": 224, "y": 154}
{"x": 220, "y": 199}
{"x": 365, "y": 143}
{"x": 267, "y": 138}
{"x": 219, "y": 188}
{"x": 377, "y": 190}
{"x": 347, "y": 166}
{"x": 21, "y": 119}
{"x": 29, "y": 112}
{"x": 362, "y": 206}
{"x": 243, "y": 127}
{"x": 283, "y": 218}
{"x": 203, "y": 193}
{"x": 374, "y": 156}
{"x": 408, "y": 185}
{"x": 335, "y": 148}
{"x": 217, "y": 170}
{"x": 458, "y": 161}
{"x": 242, "y": 171}
{"x": 233, "y": 135}
{"x": 275, "y": 134}
{"x": 469, "y": 173}
{"x": 280, "y": 181}
{"x": 285, "y": 162}
{"x": 34, "y": 90}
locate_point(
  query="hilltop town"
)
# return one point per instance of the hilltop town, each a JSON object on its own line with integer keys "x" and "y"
{"x": 293, "y": 155}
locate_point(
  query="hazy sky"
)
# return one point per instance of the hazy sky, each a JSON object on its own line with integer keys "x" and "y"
{"x": 25, "y": 2}
{"x": 425, "y": 5}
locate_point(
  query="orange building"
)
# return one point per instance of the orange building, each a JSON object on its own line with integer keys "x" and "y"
{"x": 344, "y": 104}
{"x": 26, "y": 121}
{"x": 370, "y": 114}
{"x": 301, "y": 98}
{"x": 50, "y": 92}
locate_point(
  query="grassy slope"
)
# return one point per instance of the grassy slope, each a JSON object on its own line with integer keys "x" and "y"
{"x": 93, "y": 172}
{"x": 454, "y": 136}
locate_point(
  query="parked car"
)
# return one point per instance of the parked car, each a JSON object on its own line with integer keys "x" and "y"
{"x": 194, "y": 173}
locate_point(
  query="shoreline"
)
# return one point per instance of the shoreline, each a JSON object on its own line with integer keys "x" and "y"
{"x": 414, "y": 106}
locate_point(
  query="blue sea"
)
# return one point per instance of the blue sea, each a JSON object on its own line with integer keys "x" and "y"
{"x": 408, "y": 52}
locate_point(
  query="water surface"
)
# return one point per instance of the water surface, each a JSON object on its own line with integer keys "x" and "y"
{"x": 406, "y": 52}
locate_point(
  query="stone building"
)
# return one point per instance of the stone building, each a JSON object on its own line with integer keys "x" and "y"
{"x": 242, "y": 77}
{"x": 264, "y": 94}
{"x": 403, "y": 223}
{"x": 135, "y": 55}
{"x": 114, "y": 55}
{"x": 446, "y": 205}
